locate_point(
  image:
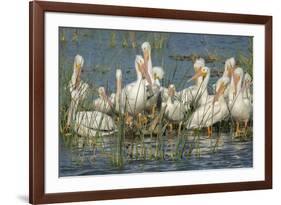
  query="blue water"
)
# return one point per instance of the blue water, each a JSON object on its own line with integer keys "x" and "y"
{"x": 101, "y": 61}
{"x": 83, "y": 159}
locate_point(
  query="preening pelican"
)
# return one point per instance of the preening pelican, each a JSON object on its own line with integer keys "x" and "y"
{"x": 136, "y": 92}
{"x": 103, "y": 103}
{"x": 215, "y": 111}
{"x": 240, "y": 108}
{"x": 85, "y": 123}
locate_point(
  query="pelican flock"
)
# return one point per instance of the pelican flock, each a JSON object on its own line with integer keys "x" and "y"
{"x": 146, "y": 99}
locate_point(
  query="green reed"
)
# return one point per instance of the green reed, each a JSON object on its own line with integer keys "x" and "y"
{"x": 112, "y": 40}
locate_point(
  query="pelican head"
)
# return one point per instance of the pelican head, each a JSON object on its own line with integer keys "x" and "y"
{"x": 237, "y": 77}
{"x": 198, "y": 64}
{"x": 158, "y": 73}
{"x": 78, "y": 62}
{"x": 247, "y": 80}
{"x": 229, "y": 66}
{"x": 77, "y": 66}
{"x": 104, "y": 96}
{"x": 101, "y": 92}
{"x": 202, "y": 72}
{"x": 118, "y": 81}
{"x": 146, "y": 49}
{"x": 221, "y": 85}
{"x": 118, "y": 74}
{"x": 141, "y": 69}
{"x": 139, "y": 65}
{"x": 171, "y": 90}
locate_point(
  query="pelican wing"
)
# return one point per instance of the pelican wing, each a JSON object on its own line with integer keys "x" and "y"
{"x": 94, "y": 120}
{"x": 189, "y": 94}
{"x": 175, "y": 111}
{"x": 204, "y": 116}
{"x": 101, "y": 105}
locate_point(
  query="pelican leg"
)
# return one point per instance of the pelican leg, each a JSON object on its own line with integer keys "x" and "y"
{"x": 237, "y": 133}
{"x": 153, "y": 111}
{"x": 139, "y": 121}
{"x": 170, "y": 127}
{"x": 210, "y": 131}
{"x": 245, "y": 126}
{"x": 154, "y": 123}
{"x": 179, "y": 129}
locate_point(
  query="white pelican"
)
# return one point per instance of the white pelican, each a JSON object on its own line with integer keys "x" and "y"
{"x": 103, "y": 103}
{"x": 136, "y": 93}
{"x": 85, "y": 123}
{"x": 215, "y": 111}
{"x": 229, "y": 67}
{"x": 247, "y": 94}
{"x": 158, "y": 74}
{"x": 77, "y": 88}
{"x": 200, "y": 95}
{"x": 240, "y": 108}
{"x": 146, "y": 49}
{"x": 201, "y": 77}
{"x": 119, "y": 97}
{"x": 174, "y": 109}
{"x": 91, "y": 123}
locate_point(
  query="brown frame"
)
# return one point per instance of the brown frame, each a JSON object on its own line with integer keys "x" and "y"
{"x": 37, "y": 95}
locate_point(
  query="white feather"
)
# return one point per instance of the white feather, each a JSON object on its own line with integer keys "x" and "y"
{"x": 158, "y": 71}
{"x": 199, "y": 63}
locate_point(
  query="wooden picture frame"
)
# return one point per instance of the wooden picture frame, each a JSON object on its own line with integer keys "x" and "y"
{"x": 37, "y": 10}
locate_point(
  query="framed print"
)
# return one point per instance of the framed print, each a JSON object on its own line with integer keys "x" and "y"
{"x": 139, "y": 102}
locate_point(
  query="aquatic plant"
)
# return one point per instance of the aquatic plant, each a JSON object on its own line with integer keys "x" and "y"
{"x": 246, "y": 62}
{"x": 133, "y": 39}
{"x": 112, "y": 39}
